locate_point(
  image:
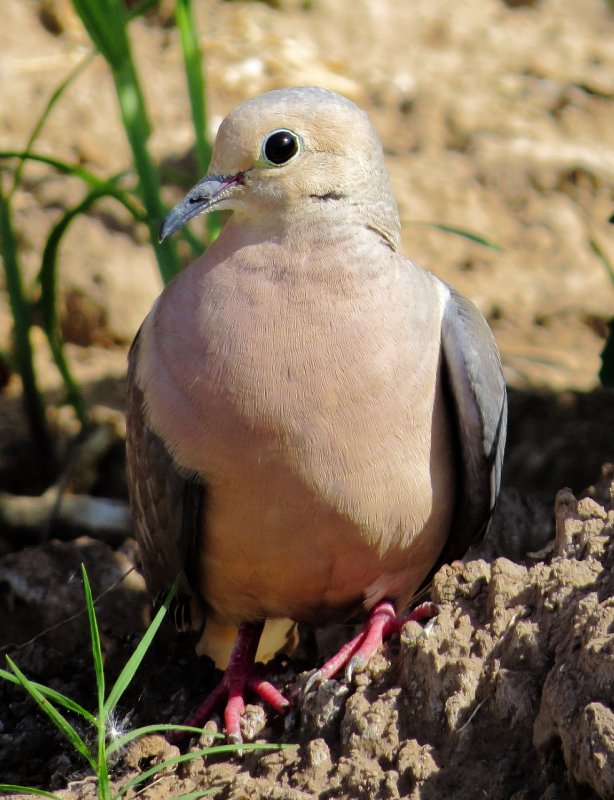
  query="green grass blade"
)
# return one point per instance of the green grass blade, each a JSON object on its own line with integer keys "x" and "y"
{"x": 465, "y": 234}
{"x": 199, "y": 793}
{"x": 51, "y": 694}
{"x": 48, "y": 302}
{"x": 462, "y": 232}
{"x": 192, "y": 59}
{"x": 106, "y": 23}
{"x": 134, "y": 116}
{"x": 104, "y": 784}
{"x": 473, "y": 237}
{"x": 48, "y": 283}
{"x": 20, "y": 312}
{"x": 95, "y": 640}
{"x": 602, "y": 256}
{"x": 606, "y": 373}
{"x": 72, "y": 75}
{"x": 208, "y": 751}
{"x": 108, "y": 186}
{"x": 14, "y": 789}
{"x": 104, "y": 788}
{"x": 127, "y": 674}
{"x": 193, "y": 67}
{"x": 126, "y": 738}
{"x": 62, "y": 166}
{"x": 54, "y": 715}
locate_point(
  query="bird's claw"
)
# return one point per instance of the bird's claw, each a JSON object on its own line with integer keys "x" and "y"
{"x": 355, "y": 654}
{"x": 313, "y": 682}
{"x": 237, "y": 680}
{"x": 356, "y": 664}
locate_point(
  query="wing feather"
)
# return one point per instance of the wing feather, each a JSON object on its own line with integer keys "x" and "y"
{"x": 166, "y": 504}
{"x": 478, "y": 398}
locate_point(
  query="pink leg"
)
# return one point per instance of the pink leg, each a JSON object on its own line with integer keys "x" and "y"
{"x": 239, "y": 677}
{"x": 354, "y": 656}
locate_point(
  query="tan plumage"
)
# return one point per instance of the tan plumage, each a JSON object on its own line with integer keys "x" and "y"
{"x": 313, "y": 419}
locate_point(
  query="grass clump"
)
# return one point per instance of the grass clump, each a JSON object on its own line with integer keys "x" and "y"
{"x": 100, "y": 725}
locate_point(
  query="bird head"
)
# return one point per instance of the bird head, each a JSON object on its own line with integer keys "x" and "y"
{"x": 304, "y": 151}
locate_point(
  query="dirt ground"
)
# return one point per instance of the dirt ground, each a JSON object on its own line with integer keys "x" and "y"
{"x": 496, "y": 117}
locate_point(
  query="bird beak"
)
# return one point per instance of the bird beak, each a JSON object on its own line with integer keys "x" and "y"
{"x": 201, "y": 198}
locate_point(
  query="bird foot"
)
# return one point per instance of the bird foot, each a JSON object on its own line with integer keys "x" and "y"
{"x": 238, "y": 679}
{"x": 383, "y": 622}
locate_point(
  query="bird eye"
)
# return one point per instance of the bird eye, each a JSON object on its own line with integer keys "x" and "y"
{"x": 280, "y": 146}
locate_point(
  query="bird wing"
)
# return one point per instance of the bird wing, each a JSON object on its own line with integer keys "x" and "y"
{"x": 166, "y": 505}
{"x": 476, "y": 394}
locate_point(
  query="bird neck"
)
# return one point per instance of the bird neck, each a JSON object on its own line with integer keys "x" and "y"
{"x": 303, "y": 227}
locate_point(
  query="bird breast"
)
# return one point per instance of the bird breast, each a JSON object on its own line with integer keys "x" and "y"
{"x": 304, "y": 397}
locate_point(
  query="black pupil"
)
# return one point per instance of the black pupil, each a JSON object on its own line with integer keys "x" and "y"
{"x": 280, "y": 147}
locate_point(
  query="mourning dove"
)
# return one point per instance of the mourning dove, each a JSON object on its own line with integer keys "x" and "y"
{"x": 314, "y": 421}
